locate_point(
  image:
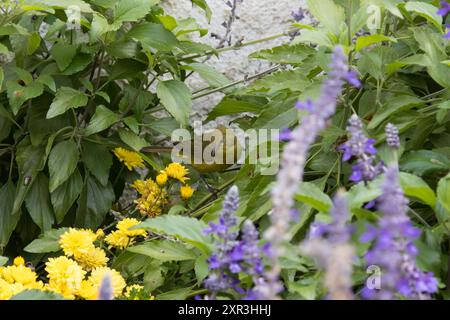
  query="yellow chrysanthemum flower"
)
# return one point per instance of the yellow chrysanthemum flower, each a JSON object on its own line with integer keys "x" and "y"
{"x": 127, "y": 223}
{"x": 18, "y": 261}
{"x": 153, "y": 198}
{"x": 94, "y": 258}
{"x": 186, "y": 192}
{"x": 177, "y": 171}
{"x": 161, "y": 178}
{"x": 130, "y": 159}
{"x": 77, "y": 241}
{"x": 118, "y": 239}
{"x": 20, "y": 274}
{"x": 65, "y": 276}
{"x": 87, "y": 290}
{"x": 117, "y": 281}
{"x": 6, "y": 290}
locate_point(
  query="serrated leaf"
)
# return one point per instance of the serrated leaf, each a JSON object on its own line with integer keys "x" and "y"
{"x": 154, "y": 36}
{"x": 230, "y": 106}
{"x": 132, "y": 139}
{"x": 164, "y": 250}
{"x": 365, "y": 41}
{"x": 66, "y": 98}
{"x": 425, "y": 10}
{"x": 131, "y": 10}
{"x": 102, "y": 119}
{"x": 416, "y": 187}
{"x": 285, "y": 54}
{"x": 189, "y": 230}
{"x": 176, "y": 97}
{"x": 443, "y": 198}
{"x": 422, "y": 162}
{"x": 18, "y": 94}
{"x": 213, "y": 77}
{"x": 330, "y": 15}
{"x": 311, "y": 194}
{"x": 63, "y": 54}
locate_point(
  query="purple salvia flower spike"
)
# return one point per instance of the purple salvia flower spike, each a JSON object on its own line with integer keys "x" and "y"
{"x": 106, "y": 291}
{"x": 293, "y": 163}
{"x": 392, "y": 137}
{"x": 394, "y": 251}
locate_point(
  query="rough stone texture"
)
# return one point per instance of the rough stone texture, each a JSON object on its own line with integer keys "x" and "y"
{"x": 258, "y": 19}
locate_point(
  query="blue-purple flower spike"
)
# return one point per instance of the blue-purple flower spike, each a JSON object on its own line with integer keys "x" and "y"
{"x": 392, "y": 138}
{"x": 331, "y": 250}
{"x": 363, "y": 150}
{"x": 393, "y": 250}
{"x": 294, "y": 160}
{"x": 106, "y": 291}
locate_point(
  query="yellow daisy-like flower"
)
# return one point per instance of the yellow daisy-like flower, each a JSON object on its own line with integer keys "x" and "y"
{"x": 87, "y": 290}
{"x": 153, "y": 198}
{"x": 161, "y": 178}
{"x": 118, "y": 239}
{"x": 186, "y": 192}
{"x": 18, "y": 261}
{"x": 6, "y": 290}
{"x": 77, "y": 241}
{"x": 96, "y": 277}
{"x": 127, "y": 223}
{"x": 20, "y": 274}
{"x": 130, "y": 159}
{"x": 65, "y": 276}
{"x": 177, "y": 171}
{"x": 94, "y": 258}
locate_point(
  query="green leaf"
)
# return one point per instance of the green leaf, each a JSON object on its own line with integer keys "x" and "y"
{"x": 365, "y": 41}
{"x": 214, "y": 78}
{"x": 100, "y": 26}
{"x": 230, "y": 106}
{"x": 330, "y": 15}
{"x": 102, "y": 119}
{"x": 189, "y": 230}
{"x": 176, "y": 98}
{"x": 8, "y": 221}
{"x": 62, "y": 162}
{"x": 201, "y": 268}
{"x": 176, "y": 294}
{"x": 443, "y": 198}
{"x": 204, "y": 5}
{"x": 164, "y": 250}
{"x": 132, "y": 139}
{"x": 2, "y": 77}
{"x": 415, "y": 187}
{"x": 153, "y": 277}
{"x": 425, "y": 10}
{"x": 285, "y": 54}
{"x": 37, "y": 295}
{"x": 422, "y": 162}
{"x": 154, "y": 36}
{"x": 94, "y": 203}
{"x": 63, "y": 4}
{"x": 34, "y": 41}
{"x": 66, "y": 98}
{"x": 392, "y": 106}
{"x": 65, "y": 195}
{"x": 3, "y": 260}
{"x": 311, "y": 194}
{"x": 361, "y": 193}
{"x": 47, "y": 242}
{"x": 38, "y": 203}
{"x": 98, "y": 160}
{"x": 63, "y": 54}
{"x": 131, "y": 10}
{"x": 18, "y": 94}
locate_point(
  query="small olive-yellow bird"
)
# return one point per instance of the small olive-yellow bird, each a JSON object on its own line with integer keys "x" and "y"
{"x": 214, "y": 151}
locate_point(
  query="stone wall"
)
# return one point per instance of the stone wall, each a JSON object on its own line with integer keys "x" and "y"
{"x": 257, "y": 19}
